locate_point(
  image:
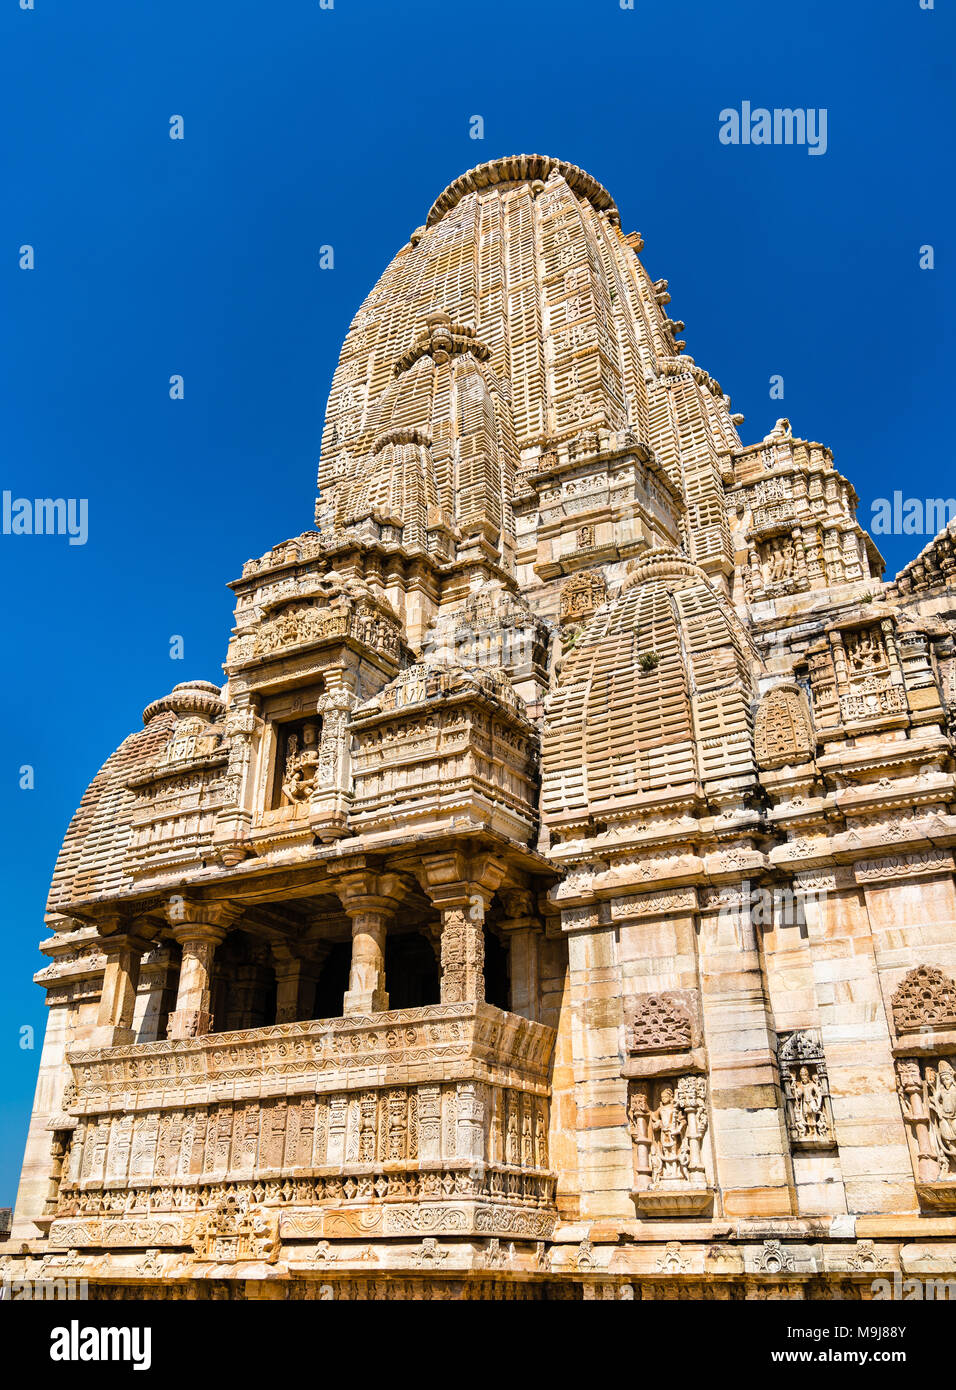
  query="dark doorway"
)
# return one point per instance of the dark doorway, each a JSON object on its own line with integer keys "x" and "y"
{"x": 334, "y": 981}
{"x": 411, "y": 971}
{"x": 497, "y": 978}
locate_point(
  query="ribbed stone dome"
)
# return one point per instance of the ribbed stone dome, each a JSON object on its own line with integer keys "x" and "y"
{"x": 654, "y": 697}
{"x": 189, "y": 697}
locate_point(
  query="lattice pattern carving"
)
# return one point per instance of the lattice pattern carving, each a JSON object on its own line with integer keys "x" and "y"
{"x": 925, "y": 998}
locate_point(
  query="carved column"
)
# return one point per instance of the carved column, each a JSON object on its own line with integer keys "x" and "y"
{"x": 637, "y": 1115}
{"x": 332, "y": 790}
{"x": 366, "y": 991}
{"x": 114, "y": 1019}
{"x": 243, "y": 988}
{"x": 463, "y": 950}
{"x": 192, "y": 1017}
{"x": 370, "y": 899}
{"x": 295, "y": 985}
{"x": 203, "y": 929}
{"x": 461, "y": 886}
{"x": 243, "y": 734}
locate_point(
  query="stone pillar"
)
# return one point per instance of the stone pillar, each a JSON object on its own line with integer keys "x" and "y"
{"x": 114, "y": 1019}
{"x": 331, "y": 796}
{"x": 295, "y": 985}
{"x": 463, "y": 950}
{"x": 461, "y": 886}
{"x": 366, "y": 991}
{"x": 243, "y": 740}
{"x": 241, "y": 990}
{"x": 522, "y": 930}
{"x": 191, "y": 1017}
{"x": 370, "y": 900}
{"x": 199, "y": 927}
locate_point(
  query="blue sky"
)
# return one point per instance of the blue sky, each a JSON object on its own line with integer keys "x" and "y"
{"x": 307, "y": 127}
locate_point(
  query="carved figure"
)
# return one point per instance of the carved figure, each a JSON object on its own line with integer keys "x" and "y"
{"x": 668, "y": 1125}
{"x": 809, "y": 1115}
{"x": 942, "y": 1109}
{"x": 301, "y": 765}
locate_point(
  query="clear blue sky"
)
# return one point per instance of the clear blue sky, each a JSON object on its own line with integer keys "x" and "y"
{"x": 306, "y": 127}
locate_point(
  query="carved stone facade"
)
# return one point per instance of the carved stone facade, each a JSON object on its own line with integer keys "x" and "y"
{"x": 557, "y": 899}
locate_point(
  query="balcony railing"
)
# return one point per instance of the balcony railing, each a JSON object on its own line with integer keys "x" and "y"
{"x": 431, "y": 1120}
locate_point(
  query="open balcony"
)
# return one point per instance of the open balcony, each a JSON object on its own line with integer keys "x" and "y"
{"x": 430, "y": 1120}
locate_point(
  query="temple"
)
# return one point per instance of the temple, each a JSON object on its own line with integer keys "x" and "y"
{"x": 556, "y": 901}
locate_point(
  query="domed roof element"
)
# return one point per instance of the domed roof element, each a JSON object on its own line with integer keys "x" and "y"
{"x": 654, "y": 697}
{"x": 189, "y": 697}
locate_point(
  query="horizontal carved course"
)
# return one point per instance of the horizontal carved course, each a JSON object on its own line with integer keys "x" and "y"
{"x": 482, "y": 1215}
{"x": 322, "y": 1054}
{"x": 302, "y": 1115}
{"x": 402, "y": 1128}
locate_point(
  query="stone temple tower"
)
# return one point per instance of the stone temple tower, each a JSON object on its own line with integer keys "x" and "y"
{"x": 557, "y": 898}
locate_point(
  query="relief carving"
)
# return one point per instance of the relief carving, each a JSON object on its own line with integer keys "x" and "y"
{"x": 582, "y": 594}
{"x": 803, "y": 1076}
{"x": 783, "y": 734}
{"x": 663, "y": 1023}
{"x": 233, "y": 1232}
{"x": 668, "y": 1122}
{"x": 927, "y": 1090}
{"x": 865, "y": 651}
{"x": 925, "y": 998}
{"x": 301, "y": 762}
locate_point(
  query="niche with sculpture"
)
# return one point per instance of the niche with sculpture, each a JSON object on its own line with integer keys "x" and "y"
{"x": 776, "y": 564}
{"x": 297, "y": 761}
{"x": 667, "y": 1105}
{"x": 923, "y": 1009}
{"x": 806, "y": 1089}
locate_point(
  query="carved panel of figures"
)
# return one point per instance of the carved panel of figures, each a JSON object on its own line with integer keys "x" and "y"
{"x": 775, "y": 565}
{"x": 376, "y": 1141}
{"x": 865, "y": 651}
{"x": 925, "y": 998}
{"x": 927, "y": 1090}
{"x": 582, "y": 594}
{"x": 783, "y": 734}
{"x": 806, "y": 1089}
{"x": 668, "y": 1122}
